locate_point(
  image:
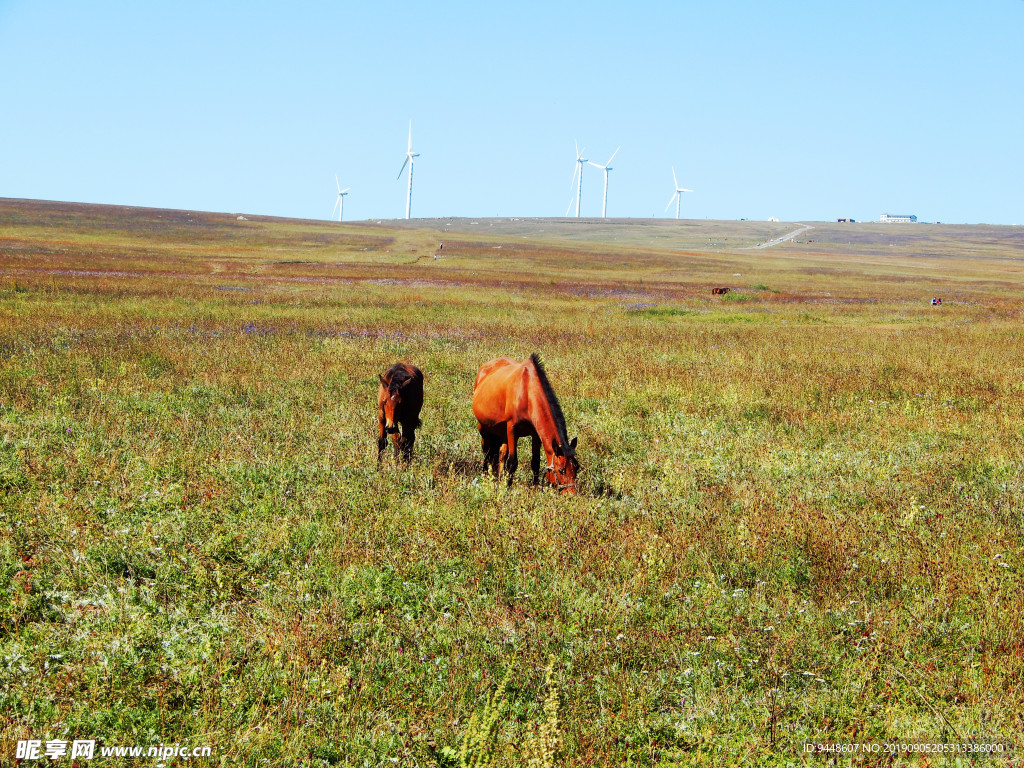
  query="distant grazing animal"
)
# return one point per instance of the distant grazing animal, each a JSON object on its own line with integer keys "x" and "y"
{"x": 512, "y": 400}
{"x": 720, "y": 291}
{"x": 399, "y": 400}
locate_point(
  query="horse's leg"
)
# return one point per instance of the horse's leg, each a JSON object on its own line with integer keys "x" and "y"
{"x": 382, "y": 441}
{"x": 511, "y": 456}
{"x": 408, "y": 439}
{"x": 396, "y": 441}
{"x": 497, "y": 454}
{"x": 487, "y": 444}
{"x": 499, "y": 462}
{"x": 535, "y": 459}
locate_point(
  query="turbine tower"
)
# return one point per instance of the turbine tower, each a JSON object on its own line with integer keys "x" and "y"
{"x": 606, "y": 167}
{"x": 339, "y": 204}
{"x": 675, "y": 195}
{"x": 410, "y": 160}
{"x": 577, "y": 176}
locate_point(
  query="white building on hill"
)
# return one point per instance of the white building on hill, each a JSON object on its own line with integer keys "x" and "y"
{"x": 897, "y": 218}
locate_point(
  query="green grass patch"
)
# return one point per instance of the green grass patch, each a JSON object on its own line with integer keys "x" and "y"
{"x": 799, "y": 519}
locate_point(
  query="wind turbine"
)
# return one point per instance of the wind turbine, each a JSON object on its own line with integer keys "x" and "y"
{"x": 577, "y": 176}
{"x": 675, "y": 195}
{"x": 339, "y": 204}
{"x": 410, "y": 160}
{"x": 606, "y": 167}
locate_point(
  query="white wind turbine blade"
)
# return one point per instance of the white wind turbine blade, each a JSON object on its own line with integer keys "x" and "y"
{"x": 612, "y": 157}
{"x": 337, "y": 182}
{"x": 591, "y": 162}
{"x": 575, "y": 171}
{"x": 334, "y": 210}
{"x": 344, "y": 191}
{"x": 671, "y": 200}
{"x": 403, "y": 167}
{"x": 674, "y": 180}
{"x": 410, "y": 137}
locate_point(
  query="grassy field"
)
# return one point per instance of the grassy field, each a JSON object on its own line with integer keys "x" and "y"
{"x": 800, "y": 518}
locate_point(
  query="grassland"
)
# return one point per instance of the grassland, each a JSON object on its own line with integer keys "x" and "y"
{"x": 800, "y": 518}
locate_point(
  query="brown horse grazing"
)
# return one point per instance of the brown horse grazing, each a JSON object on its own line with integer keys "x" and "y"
{"x": 399, "y": 400}
{"x": 513, "y": 400}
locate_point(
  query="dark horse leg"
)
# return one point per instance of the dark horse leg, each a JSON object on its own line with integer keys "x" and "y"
{"x": 490, "y": 445}
{"x": 535, "y": 459}
{"x": 382, "y": 441}
{"x": 506, "y": 464}
{"x": 396, "y": 441}
{"x": 407, "y": 440}
{"x": 511, "y": 456}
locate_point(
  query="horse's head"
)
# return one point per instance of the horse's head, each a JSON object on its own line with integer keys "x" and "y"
{"x": 564, "y": 467}
{"x": 389, "y": 399}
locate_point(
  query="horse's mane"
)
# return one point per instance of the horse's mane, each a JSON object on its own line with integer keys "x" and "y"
{"x": 553, "y": 405}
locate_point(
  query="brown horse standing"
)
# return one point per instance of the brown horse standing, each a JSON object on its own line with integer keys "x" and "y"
{"x": 513, "y": 400}
{"x": 399, "y": 400}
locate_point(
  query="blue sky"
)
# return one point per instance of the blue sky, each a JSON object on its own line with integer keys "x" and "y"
{"x": 800, "y": 110}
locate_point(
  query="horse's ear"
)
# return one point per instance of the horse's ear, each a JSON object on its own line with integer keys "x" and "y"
{"x": 556, "y": 448}
{"x": 383, "y": 383}
{"x": 572, "y": 444}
